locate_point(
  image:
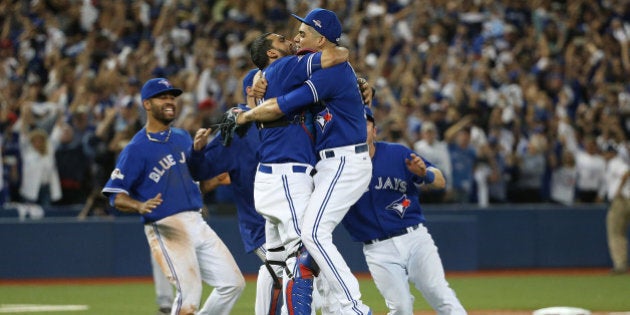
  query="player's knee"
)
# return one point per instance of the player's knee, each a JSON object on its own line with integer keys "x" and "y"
{"x": 233, "y": 289}
{"x": 238, "y": 287}
{"x": 306, "y": 265}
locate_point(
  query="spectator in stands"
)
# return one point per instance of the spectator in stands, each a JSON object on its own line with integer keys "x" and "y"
{"x": 490, "y": 174}
{"x": 38, "y": 163}
{"x": 73, "y": 164}
{"x": 436, "y": 152}
{"x": 437, "y": 61}
{"x": 591, "y": 168}
{"x": 531, "y": 165}
{"x": 563, "y": 180}
{"x": 463, "y": 157}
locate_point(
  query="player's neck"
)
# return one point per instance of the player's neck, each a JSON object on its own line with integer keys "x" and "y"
{"x": 372, "y": 149}
{"x": 154, "y": 126}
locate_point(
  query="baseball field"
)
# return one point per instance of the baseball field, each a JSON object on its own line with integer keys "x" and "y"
{"x": 482, "y": 293}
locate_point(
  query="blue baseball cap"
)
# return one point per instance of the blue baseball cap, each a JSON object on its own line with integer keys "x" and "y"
{"x": 368, "y": 113}
{"x": 157, "y": 86}
{"x": 324, "y": 22}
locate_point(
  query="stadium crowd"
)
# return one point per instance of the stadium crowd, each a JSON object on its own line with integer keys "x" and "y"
{"x": 515, "y": 101}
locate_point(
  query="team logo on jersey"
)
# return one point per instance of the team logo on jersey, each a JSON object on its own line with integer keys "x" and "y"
{"x": 323, "y": 118}
{"x": 116, "y": 174}
{"x": 400, "y": 205}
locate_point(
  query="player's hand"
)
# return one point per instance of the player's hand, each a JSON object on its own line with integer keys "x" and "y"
{"x": 259, "y": 88}
{"x": 149, "y": 205}
{"x": 416, "y": 165}
{"x": 367, "y": 93}
{"x": 201, "y": 138}
{"x": 230, "y": 125}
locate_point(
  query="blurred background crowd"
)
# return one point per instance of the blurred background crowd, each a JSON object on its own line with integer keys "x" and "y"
{"x": 515, "y": 101}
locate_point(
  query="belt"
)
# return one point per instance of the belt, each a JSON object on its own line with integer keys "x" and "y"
{"x": 342, "y": 151}
{"x": 400, "y": 232}
{"x": 282, "y": 122}
{"x": 284, "y": 169}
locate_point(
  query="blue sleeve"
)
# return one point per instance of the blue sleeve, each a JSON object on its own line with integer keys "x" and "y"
{"x": 129, "y": 168}
{"x": 213, "y": 160}
{"x": 318, "y": 87}
{"x": 302, "y": 68}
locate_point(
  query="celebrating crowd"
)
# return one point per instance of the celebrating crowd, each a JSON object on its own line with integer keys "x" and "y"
{"x": 517, "y": 101}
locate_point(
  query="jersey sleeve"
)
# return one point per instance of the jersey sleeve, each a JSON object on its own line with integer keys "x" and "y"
{"x": 129, "y": 168}
{"x": 213, "y": 160}
{"x": 318, "y": 87}
{"x": 303, "y": 67}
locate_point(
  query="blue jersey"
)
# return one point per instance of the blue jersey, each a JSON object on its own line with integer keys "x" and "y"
{"x": 240, "y": 161}
{"x": 391, "y": 202}
{"x": 291, "y": 142}
{"x": 342, "y": 121}
{"x": 152, "y": 164}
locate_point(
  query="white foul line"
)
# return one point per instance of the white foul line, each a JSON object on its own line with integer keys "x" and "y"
{"x": 23, "y": 308}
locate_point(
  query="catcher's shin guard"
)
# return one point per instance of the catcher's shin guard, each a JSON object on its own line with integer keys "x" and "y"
{"x": 299, "y": 291}
{"x": 275, "y": 265}
{"x": 276, "y": 302}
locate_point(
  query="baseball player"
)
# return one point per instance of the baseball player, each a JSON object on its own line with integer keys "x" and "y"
{"x": 341, "y": 148}
{"x": 152, "y": 178}
{"x": 388, "y": 220}
{"x": 286, "y": 157}
{"x": 240, "y": 160}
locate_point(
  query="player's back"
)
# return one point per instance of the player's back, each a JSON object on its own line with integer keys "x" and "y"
{"x": 286, "y": 139}
{"x": 342, "y": 121}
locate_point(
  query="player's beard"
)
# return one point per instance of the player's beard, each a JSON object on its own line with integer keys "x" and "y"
{"x": 158, "y": 113}
{"x": 285, "y": 52}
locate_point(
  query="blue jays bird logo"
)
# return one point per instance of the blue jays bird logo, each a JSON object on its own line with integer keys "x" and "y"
{"x": 400, "y": 205}
{"x": 323, "y": 118}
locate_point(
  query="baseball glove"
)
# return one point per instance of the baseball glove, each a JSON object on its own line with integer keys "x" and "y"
{"x": 229, "y": 126}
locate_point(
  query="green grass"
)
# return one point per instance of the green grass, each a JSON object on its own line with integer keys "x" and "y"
{"x": 599, "y": 292}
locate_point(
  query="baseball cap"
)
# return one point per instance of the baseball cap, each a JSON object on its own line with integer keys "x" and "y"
{"x": 368, "y": 113}
{"x": 158, "y": 86}
{"x": 324, "y": 22}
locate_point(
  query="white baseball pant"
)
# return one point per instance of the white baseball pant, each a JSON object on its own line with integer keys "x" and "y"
{"x": 411, "y": 257}
{"x": 342, "y": 177}
{"x": 189, "y": 252}
{"x": 163, "y": 288}
{"x": 281, "y": 194}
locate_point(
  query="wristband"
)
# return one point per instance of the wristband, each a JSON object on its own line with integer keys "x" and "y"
{"x": 429, "y": 177}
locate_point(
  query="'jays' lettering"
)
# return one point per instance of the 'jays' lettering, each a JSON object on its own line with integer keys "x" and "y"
{"x": 391, "y": 184}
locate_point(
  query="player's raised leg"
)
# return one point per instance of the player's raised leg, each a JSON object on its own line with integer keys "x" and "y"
{"x": 337, "y": 187}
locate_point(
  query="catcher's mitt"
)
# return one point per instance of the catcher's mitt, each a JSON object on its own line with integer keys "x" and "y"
{"x": 229, "y": 126}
